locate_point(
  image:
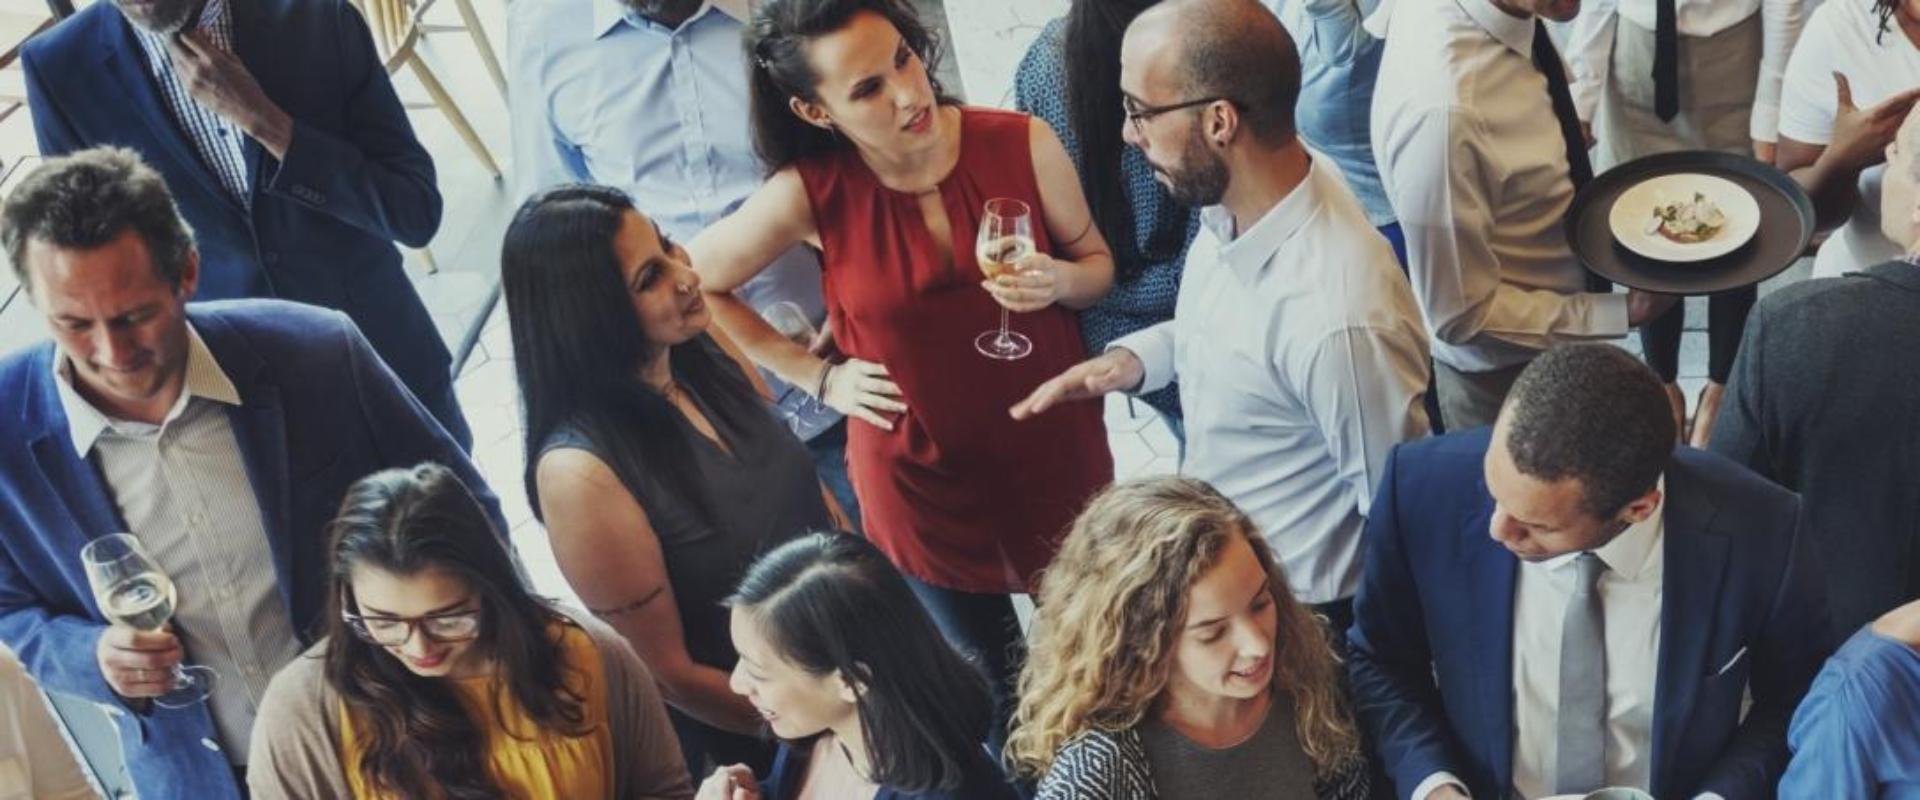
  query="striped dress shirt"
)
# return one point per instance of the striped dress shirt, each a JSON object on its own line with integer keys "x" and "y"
{"x": 220, "y": 143}
{"x": 182, "y": 488}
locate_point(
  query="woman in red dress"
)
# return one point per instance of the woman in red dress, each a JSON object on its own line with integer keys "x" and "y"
{"x": 870, "y": 164}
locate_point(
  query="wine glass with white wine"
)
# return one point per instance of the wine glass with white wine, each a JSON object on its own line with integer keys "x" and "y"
{"x": 132, "y": 590}
{"x": 1006, "y": 236}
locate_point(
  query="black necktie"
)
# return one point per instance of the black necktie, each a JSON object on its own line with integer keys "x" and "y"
{"x": 1666, "y": 60}
{"x": 1579, "y": 169}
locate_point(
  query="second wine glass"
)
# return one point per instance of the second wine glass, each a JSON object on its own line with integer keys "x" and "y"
{"x": 132, "y": 590}
{"x": 1006, "y": 236}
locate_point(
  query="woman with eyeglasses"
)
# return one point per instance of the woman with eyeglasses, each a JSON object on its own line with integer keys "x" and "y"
{"x": 441, "y": 676}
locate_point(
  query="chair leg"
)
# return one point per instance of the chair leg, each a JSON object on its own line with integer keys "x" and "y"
{"x": 472, "y": 21}
{"x": 459, "y": 120}
{"x": 426, "y": 260}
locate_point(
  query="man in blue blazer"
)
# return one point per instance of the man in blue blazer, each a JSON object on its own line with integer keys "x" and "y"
{"x": 223, "y": 435}
{"x": 282, "y": 140}
{"x": 1567, "y": 602}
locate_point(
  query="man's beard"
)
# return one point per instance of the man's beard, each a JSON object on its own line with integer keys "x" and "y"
{"x": 1202, "y": 178}
{"x": 166, "y": 17}
{"x": 670, "y": 10}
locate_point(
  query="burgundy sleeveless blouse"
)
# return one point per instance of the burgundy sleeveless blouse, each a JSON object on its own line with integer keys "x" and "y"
{"x": 958, "y": 494}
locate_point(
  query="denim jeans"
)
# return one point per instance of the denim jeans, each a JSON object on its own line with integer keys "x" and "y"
{"x": 986, "y": 631}
{"x": 829, "y": 450}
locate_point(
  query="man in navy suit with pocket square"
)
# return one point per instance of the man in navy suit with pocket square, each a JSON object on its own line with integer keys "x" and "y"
{"x": 222, "y": 435}
{"x": 1566, "y": 602}
{"x": 280, "y": 136}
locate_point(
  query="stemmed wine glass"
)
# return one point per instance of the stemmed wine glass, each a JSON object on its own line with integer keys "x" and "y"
{"x": 131, "y": 590}
{"x": 1006, "y": 236}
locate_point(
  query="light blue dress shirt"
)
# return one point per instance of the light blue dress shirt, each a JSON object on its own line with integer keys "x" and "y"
{"x": 604, "y": 95}
{"x": 1339, "y": 62}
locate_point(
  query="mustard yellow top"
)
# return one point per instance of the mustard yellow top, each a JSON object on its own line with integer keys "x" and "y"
{"x": 528, "y": 763}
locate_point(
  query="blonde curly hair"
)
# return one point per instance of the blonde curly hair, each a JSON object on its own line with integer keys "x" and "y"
{"x": 1114, "y": 600}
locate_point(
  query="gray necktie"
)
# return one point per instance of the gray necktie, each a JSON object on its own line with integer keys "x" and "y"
{"x": 1582, "y": 721}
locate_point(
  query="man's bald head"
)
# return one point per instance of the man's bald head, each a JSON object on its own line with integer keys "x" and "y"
{"x": 1231, "y": 49}
{"x": 1900, "y": 185}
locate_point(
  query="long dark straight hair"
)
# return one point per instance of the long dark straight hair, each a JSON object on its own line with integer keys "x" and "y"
{"x": 419, "y": 739}
{"x": 1094, "y": 29}
{"x": 776, "y": 43}
{"x": 831, "y": 601}
{"x": 578, "y": 346}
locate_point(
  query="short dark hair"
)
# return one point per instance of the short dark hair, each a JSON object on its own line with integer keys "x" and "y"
{"x": 89, "y": 198}
{"x": 1237, "y": 49}
{"x": 1595, "y": 413}
{"x": 832, "y": 602}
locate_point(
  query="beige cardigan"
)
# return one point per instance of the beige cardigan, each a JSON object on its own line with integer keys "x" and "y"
{"x": 296, "y": 734}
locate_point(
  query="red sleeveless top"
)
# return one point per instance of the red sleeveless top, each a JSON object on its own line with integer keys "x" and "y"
{"x": 958, "y": 494}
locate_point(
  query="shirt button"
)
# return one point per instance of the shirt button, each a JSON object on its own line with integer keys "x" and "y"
{"x": 210, "y": 745}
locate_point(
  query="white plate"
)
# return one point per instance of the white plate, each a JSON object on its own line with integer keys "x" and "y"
{"x": 1634, "y": 209}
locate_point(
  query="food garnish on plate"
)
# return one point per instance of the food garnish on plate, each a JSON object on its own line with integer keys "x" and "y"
{"x": 1687, "y": 221}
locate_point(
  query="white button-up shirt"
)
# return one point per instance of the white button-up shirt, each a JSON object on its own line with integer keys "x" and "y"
{"x": 1472, "y": 160}
{"x": 1590, "y": 46}
{"x": 182, "y": 488}
{"x": 1301, "y": 362}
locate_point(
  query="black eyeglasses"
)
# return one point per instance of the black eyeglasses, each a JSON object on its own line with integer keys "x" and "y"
{"x": 1137, "y": 114}
{"x": 445, "y": 628}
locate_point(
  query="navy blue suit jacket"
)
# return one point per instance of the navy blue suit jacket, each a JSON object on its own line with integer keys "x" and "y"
{"x": 1432, "y": 643}
{"x": 319, "y": 411}
{"x": 323, "y": 222}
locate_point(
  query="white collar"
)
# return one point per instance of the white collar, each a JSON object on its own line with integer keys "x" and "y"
{"x": 609, "y": 13}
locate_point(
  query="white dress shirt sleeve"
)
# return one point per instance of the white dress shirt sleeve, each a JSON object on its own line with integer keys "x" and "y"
{"x": 1438, "y": 187}
{"x": 1154, "y": 347}
{"x": 1362, "y": 386}
{"x": 1780, "y": 24}
{"x": 1435, "y": 781}
{"x": 1590, "y": 53}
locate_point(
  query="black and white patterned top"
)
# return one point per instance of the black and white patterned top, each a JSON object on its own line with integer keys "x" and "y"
{"x": 1104, "y": 765}
{"x": 220, "y": 143}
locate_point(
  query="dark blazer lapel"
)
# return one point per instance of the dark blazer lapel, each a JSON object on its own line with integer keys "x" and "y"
{"x": 249, "y": 48}
{"x": 259, "y": 426}
{"x": 1490, "y": 573}
{"x": 73, "y": 478}
{"x": 125, "y": 60}
{"x": 1696, "y": 559}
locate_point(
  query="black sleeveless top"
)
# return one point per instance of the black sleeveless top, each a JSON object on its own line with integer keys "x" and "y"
{"x": 762, "y": 492}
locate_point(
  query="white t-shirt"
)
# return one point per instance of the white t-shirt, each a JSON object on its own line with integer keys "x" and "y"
{"x": 35, "y": 762}
{"x": 1844, "y": 36}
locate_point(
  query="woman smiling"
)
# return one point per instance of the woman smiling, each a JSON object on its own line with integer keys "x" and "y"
{"x": 441, "y": 676}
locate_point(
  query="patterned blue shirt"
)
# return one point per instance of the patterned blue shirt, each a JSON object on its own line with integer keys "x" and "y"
{"x": 1040, "y": 89}
{"x": 220, "y": 143}
{"x": 1339, "y": 62}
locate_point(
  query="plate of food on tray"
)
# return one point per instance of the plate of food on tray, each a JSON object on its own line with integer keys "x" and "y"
{"x": 1684, "y": 217}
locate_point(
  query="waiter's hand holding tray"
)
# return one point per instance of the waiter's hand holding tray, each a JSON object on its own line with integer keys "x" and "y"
{"x": 1690, "y": 222}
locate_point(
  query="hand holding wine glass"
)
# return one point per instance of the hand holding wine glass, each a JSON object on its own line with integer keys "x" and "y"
{"x": 137, "y": 656}
{"x": 1032, "y": 284}
{"x": 1003, "y": 245}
